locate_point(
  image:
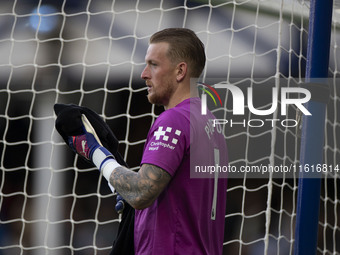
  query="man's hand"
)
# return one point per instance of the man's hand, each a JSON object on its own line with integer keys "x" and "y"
{"x": 89, "y": 146}
{"x": 87, "y": 143}
{"x": 120, "y": 204}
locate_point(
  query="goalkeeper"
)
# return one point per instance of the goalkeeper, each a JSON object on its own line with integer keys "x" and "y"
{"x": 174, "y": 213}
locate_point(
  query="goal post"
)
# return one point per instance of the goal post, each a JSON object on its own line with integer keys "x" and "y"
{"x": 312, "y": 138}
{"x": 91, "y": 53}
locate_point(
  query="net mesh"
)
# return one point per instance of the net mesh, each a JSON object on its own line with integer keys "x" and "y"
{"x": 91, "y": 53}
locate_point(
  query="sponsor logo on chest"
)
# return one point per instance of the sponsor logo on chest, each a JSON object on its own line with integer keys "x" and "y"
{"x": 166, "y": 137}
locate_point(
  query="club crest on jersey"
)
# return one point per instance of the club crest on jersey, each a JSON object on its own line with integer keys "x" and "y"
{"x": 165, "y": 137}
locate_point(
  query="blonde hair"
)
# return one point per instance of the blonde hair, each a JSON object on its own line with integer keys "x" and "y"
{"x": 184, "y": 45}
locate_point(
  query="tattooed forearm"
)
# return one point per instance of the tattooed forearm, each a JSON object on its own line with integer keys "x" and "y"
{"x": 140, "y": 188}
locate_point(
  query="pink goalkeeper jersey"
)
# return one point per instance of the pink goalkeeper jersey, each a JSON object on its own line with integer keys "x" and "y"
{"x": 180, "y": 220}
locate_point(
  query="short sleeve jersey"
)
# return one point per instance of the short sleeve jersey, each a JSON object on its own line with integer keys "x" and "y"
{"x": 179, "y": 221}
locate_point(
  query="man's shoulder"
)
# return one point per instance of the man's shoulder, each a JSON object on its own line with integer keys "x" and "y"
{"x": 171, "y": 120}
{"x": 179, "y": 114}
{"x": 183, "y": 109}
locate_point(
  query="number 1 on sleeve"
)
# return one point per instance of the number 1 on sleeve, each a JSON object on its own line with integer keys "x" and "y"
{"x": 217, "y": 162}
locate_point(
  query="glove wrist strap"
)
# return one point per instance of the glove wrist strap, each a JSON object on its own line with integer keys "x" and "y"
{"x": 104, "y": 161}
{"x": 100, "y": 155}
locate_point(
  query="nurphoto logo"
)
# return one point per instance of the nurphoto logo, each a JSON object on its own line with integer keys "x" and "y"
{"x": 288, "y": 96}
{"x": 204, "y": 97}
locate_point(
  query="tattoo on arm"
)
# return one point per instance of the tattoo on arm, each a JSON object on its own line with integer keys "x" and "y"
{"x": 140, "y": 188}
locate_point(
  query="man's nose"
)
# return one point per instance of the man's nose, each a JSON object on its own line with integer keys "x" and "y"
{"x": 145, "y": 73}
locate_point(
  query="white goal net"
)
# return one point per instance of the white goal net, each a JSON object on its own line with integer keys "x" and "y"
{"x": 91, "y": 53}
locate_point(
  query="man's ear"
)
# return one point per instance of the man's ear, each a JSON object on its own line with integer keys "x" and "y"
{"x": 182, "y": 71}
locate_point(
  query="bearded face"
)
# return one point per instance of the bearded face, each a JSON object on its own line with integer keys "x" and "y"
{"x": 159, "y": 74}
